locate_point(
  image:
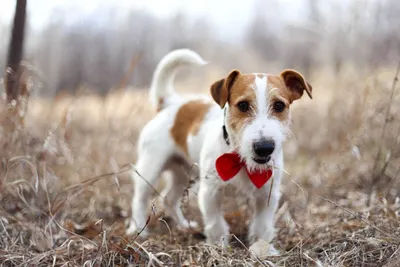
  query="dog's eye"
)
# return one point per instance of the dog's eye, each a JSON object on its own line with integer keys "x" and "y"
{"x": 243, "y": 106}
{"x": 279, "y": 106}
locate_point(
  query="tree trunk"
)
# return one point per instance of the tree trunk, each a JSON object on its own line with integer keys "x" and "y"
{"x": 15, "y": 52}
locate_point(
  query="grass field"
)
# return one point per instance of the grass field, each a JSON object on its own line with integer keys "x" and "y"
{"x": 65, "y": 190}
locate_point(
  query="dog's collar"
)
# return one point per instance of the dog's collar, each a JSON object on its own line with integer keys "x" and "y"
{"x": 226, "y": 136}
{"x": 224, "y": 132}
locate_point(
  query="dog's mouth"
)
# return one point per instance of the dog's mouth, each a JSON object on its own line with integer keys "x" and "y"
{"x": 260, "y": 160}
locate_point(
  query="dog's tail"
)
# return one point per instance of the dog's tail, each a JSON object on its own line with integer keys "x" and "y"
{"x": 162, "y": 91}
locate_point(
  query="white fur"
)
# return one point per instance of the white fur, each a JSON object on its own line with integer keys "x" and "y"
{"x": 260, "y": 87}
{"x": 263, "y": 126}
{"x": 156, "y": 146}
{"x": 163, "y": 77}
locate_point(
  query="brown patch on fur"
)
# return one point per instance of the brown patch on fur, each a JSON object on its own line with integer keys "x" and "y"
{"x": 277, "y": 82}
{"x": 277, "y": 91}
{"x": 296, "y": 83}
{"x": 287, "y": 87}
{"x": 188, "y": 121}
{"x": 160, "y": 104}
{"x": 220, "y": 90}
{"x": 241, "y": 91}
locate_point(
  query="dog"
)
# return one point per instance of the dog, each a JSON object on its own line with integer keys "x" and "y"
{"x": 235, "y": 135}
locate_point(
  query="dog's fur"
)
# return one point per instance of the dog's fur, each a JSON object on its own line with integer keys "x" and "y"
{"x": 190, "y": 130}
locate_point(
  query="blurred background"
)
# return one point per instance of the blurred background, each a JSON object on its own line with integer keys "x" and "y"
{"x": 92, "y": 43}
{"x": 66, "y": 167}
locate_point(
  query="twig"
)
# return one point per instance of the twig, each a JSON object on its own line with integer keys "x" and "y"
{"x": 147, "y": 182}
{"x": 128, "y": 74}
{"x": 318, "y": 263}
{"x": 360, "y": 219}
{"x": 377, "y": 173}
{"x": 96, "y": 178}
{"x": 55, "y": 207}
{"x": 169, "y": 229}
{"x": 251, "y": 253}
{"x": 151, "y": 256}
{"x": 270, "y": 190}
{"x": 144, "y": 227}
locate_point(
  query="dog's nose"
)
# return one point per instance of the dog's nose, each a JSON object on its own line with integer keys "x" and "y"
{"x": 264, "y": 148}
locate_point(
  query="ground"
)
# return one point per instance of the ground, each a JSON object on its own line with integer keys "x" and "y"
{"x": 65, "y": 187}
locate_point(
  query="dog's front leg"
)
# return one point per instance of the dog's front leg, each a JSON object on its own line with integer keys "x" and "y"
{"x": 262, "y": 229}
{"x": 216, "y": 228}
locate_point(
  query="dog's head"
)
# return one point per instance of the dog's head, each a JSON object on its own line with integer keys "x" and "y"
{"x": 258, "y": 111}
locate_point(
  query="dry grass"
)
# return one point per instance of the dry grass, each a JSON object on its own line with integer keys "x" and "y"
{"x": 57, "y": 207}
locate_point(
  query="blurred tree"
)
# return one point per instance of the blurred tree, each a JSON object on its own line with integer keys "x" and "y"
{"x": 263, "y": 32}
{"x": 15, "y": 52}
{"x": 97, "y": 50}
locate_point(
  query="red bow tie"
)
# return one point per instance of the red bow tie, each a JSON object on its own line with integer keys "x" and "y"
{"x": 229, "y": 164}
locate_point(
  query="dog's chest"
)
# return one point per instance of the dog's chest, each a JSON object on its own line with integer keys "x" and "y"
{"x": 243, "y": 184}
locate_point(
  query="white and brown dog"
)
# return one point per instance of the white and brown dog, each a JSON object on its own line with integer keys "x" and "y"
{"x": 237, "y": 140}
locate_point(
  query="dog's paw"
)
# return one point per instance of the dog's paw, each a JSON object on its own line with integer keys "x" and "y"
{"x": 222, "y": 242}
{"x": 183, "y": 225}
{"x": 263, "y": 249}
{"x": 133, "y": 230}
{"x": 272, "y": 251}
{"x": 217, "y": 234}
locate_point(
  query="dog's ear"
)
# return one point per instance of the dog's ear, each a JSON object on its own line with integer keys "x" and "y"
{"x": 220, "y": 89}
{"x": 296, "y": 83}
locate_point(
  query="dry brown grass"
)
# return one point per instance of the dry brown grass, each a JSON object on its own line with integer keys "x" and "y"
{"x": 57, "y": 207}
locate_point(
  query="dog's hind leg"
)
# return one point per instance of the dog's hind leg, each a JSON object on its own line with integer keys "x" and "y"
{"x": 148, "y": 169}
{"x": 177, "y": 184}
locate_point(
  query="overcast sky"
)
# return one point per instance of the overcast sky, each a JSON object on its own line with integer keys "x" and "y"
{"x": 226, "y": 15}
